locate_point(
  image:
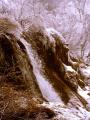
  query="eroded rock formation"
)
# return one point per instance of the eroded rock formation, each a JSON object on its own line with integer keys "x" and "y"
{"x": 53, "y": 53}
{"x": 38, "y": 63}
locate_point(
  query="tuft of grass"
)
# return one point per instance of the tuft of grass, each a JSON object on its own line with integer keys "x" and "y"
{"x": 6, "y": 25}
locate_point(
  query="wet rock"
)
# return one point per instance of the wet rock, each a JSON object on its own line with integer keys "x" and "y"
{"x": 81, "y": 83}
{"x": 88, "y": 107}
{"x": 71, "y": 80}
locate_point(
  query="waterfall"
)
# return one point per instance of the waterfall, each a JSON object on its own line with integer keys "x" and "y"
{"x": 46, "y": 88}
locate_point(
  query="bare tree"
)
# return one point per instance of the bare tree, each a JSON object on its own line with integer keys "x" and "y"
{"x": 80, "y": 5}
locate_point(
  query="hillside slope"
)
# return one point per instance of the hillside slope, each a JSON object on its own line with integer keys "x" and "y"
{"x": 36, "y": 68}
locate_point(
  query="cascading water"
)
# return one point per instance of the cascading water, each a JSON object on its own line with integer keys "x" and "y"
{"x": 46, "y": 88}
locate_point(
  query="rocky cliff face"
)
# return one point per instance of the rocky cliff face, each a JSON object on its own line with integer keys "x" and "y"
{"x": 54, "y": 56}
{"x": 15, "y": 64}
{"x": 35, "y": 67}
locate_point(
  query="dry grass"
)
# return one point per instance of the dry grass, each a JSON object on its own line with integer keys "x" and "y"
{"x": 6, "y": 25}
{"x": 20, "y": 105}
{"x": 12, "y": 76}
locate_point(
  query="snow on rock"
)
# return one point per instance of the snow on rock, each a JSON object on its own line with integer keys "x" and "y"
{"x": 83, "y": 93}
{"x": 65, "y": 113}
{"x": 85, "y": 71}
{"x": 48, "y": 32}
{"x": 69, "y": 68}
{"x": 51, "y": 31}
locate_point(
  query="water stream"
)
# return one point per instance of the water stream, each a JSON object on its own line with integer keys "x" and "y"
{"x": 46, "y": 88}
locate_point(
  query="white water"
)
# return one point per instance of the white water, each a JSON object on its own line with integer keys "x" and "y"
{"x": 46, "y": 88}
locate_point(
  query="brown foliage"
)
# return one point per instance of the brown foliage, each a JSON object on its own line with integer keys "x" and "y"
{"x": 20, "y": 105}
{"x": 6, "y": 25}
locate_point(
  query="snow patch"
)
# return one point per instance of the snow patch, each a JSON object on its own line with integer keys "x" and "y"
{"x": 86, "y": 71}
{"x": 65, "y": 113}
{"x": 83, "y": 93}
{"x": 51, "y": 31}
{"x": 69, "y": 68}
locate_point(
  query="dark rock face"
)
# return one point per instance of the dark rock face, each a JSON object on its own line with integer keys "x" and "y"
{"x": 7, "y": 50}
{"x": 15, "y": 65}
{"x": 71, "y": 80}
